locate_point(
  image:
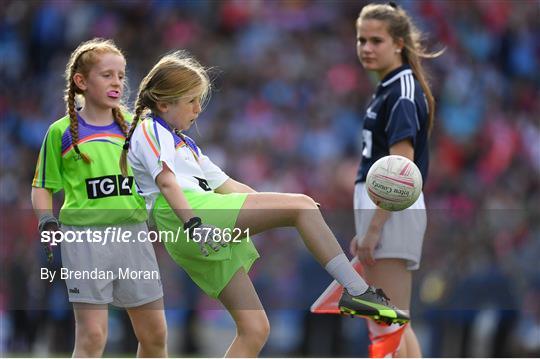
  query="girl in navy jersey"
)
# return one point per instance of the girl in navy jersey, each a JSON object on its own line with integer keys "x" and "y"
{"x": 397, "y": 121}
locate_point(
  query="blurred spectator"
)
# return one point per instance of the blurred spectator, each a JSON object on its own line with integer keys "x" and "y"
{"x": 285, "y": 110}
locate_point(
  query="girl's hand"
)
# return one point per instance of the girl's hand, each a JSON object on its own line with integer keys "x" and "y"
{"x": 51, "y": 227}
{"x": 207, "y": 235}
{"x": 353, "y": 246}
{"x": 49, "y": 223}
{"x": 366, "y": 246}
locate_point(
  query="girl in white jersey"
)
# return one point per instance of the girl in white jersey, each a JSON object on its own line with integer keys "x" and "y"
{"x": 78, "y": 155}
{"x": 184, "y": 189}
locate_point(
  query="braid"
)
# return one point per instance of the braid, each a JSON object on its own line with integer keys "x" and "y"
{"x": 139, "y": 109}
{"x": 80, "y": 61}
{"x": 74, "y": 124}
{"x": 169, "y": 80}
{"x": 119, "y": 119}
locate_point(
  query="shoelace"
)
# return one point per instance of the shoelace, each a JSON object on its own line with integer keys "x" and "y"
{"x": 383, "y": 296}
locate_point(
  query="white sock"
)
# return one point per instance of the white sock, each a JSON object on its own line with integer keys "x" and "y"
{"x": 341, "y": 269}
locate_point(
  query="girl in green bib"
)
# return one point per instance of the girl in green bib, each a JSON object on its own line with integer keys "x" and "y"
{"x": 80, "y": 155}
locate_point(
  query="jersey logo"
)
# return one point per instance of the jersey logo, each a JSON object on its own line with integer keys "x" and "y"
{"x": 367, "y": 140}
{"x": 371, "y": 114}
{"x": 203, "y": 184}
{"x": 108, "y": 186}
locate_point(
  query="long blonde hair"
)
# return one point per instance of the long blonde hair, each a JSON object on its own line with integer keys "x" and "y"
{"x": 172, "y": 77}
{"x": 400, "y": 26}
{"x": 81, "y": 61}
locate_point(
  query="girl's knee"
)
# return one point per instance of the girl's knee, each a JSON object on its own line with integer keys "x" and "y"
{"x": 263, "y": 328}
{"x": 305, "y": 201}
{"x": 257, "y": 329}
{"x": 153, "y": 337}
{"x": 93, "y": 336}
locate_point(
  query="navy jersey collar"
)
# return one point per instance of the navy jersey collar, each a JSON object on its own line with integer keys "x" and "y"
{"x": 396, "y": 74}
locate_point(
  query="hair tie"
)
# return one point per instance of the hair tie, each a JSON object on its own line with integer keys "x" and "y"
{"x": 393, "y": 5}
{"x": 126, "y": 145}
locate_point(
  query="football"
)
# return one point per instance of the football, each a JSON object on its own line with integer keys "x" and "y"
{"x": 394, "y": 183}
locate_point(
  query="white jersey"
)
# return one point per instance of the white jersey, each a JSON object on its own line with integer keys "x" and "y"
{"x": 154, "y": 143}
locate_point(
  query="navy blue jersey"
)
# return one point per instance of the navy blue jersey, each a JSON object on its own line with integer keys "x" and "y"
{"x": 397, "y": 111}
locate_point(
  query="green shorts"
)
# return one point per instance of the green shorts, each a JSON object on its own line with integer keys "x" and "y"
{"x": 214, "y": 272}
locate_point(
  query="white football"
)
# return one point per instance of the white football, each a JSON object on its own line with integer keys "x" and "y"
{"x": 394, "y": 183}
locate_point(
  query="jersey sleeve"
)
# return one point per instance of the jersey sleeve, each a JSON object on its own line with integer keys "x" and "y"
{"x": 48, "y": 172}
{"x": 402, "y": 122}
{"x": 153, "y": 146}
{"x": 214, "y": 175}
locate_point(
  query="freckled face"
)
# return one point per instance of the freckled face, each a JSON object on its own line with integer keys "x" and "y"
{"x": 104, "y": 84}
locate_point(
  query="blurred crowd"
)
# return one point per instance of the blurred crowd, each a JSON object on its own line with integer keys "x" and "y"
{"x": 285, "y": 115}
